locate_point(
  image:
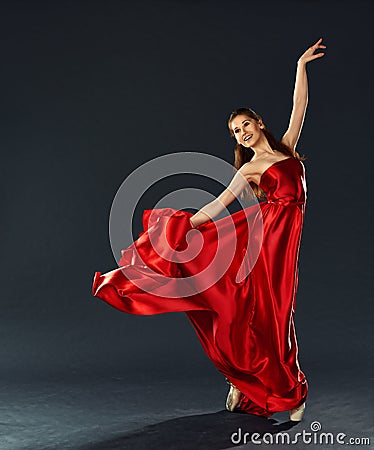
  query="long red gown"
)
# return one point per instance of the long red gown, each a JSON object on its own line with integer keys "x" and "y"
{"x": 246, "y": 328}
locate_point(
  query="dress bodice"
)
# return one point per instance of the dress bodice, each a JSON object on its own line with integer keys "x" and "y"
{"x": 284, "y": 182}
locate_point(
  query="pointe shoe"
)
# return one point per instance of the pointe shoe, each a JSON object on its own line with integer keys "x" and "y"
{"x": 233, "y": 398}
{"x": 296, "y": 414}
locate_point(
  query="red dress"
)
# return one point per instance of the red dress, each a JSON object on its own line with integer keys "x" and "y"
{"x": 246, "y": 327}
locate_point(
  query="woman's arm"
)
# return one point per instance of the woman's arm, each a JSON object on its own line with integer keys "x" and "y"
{"x": 212, "y": 209}
{"x": 300, "y": 96}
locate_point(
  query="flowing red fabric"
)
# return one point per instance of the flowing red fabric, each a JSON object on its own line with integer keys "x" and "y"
{"x": 246, "y": 327}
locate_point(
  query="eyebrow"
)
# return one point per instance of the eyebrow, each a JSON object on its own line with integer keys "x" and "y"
{"x": 242, "y": 122}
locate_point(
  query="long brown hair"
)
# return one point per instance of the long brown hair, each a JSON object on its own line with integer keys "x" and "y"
{"x": 243, "y": 155}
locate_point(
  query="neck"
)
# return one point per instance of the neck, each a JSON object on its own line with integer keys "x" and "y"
{"x": 262, "y": 148}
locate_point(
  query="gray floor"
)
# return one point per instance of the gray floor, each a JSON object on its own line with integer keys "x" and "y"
{"x": 86, "y": 410}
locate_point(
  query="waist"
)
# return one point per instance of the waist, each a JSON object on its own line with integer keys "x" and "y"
{"x": 287, "y": 202}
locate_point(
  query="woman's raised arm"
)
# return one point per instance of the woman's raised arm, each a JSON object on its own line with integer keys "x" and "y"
{"x": 300, "y": 96}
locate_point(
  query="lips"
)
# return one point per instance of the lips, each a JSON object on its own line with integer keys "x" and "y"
{"x": 247, "y": 138}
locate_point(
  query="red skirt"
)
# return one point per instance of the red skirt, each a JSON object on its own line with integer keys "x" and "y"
{"x": 236, "y": 280}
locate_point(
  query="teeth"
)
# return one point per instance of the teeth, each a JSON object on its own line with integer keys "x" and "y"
{"x": 249, "y": 137}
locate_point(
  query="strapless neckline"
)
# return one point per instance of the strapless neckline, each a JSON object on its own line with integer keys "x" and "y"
{"x": 276, "y": 162}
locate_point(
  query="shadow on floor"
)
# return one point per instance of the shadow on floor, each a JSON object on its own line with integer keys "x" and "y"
{"x": 199, "y": 432}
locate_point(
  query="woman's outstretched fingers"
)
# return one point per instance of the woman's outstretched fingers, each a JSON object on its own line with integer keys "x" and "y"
{"x": 309, "y": 55}
{"x": 318, "y": 44}
{"x": 319, "y": 41}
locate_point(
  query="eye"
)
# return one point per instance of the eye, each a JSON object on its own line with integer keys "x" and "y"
{"x": 246, "y": 124}
{"x": 236, "y": 131}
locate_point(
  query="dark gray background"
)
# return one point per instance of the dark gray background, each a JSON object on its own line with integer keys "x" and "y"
{"x": 90, "y": 91}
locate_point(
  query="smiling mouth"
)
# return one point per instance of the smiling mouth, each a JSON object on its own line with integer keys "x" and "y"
{"x": 248, "y": 138}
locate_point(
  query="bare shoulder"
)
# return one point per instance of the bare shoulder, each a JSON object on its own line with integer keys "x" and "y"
{"x": 254, "y": 169}
{"x": 248, "y": 170}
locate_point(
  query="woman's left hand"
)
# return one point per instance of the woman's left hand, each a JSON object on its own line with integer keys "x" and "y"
{"x": 309, "y": 54}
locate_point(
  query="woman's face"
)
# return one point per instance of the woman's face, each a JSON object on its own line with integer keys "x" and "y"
{"x": 247, "y": 131}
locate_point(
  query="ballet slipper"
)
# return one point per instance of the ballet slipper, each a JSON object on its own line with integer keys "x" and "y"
{"x": 233, "y": 398}
{"x": 296, "y": 414}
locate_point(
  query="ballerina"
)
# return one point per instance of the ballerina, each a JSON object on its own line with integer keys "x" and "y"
{"x": 246, "y": 328}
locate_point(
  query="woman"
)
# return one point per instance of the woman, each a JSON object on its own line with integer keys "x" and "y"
{"x": 245, "y": 324}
